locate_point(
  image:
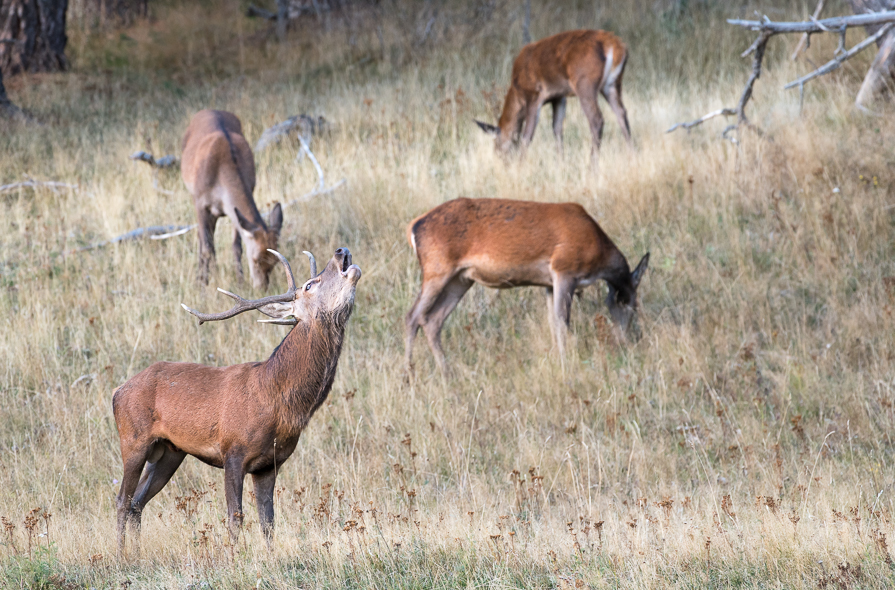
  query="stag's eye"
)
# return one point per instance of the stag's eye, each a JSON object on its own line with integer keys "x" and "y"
{"x": 308, "y": 286}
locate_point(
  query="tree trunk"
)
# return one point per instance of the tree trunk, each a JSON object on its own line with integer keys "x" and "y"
{"x": 32, "y": 35}
{"x": 6, "y": 107}
{"x": 881, "y": 75}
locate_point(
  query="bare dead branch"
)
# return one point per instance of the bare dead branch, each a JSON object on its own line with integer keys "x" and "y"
{"x": 163, "y": 162}
{"x": 305, "y": 126}
{"x": 257, "y": 11}
{"x": 703, "y": 119}
{"x": 817, "y": 26}
{"x": 33, "y": 184}
{"x": 805, "y": 41}
{"x": 837, "y": 61}
{"x": 136, "y": 234}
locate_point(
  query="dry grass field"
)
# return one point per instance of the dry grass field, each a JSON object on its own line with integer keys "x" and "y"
{"x": 744, "y": 441}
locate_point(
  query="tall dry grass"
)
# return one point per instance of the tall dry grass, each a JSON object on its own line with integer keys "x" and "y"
{"x": 744, "y": 441}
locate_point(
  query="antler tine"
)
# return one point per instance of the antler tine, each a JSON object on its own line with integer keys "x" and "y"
{"x": 289, "y": 278}
{"x": 313, "y": 262}
{"x": 243, "y": 305}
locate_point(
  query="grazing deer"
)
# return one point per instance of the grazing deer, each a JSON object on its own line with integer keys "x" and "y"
{"x": 582, "y": 63}
{"x": 219, "y": 171}
{"x": 243, "y": 418}
{"x": 501, "y": 244}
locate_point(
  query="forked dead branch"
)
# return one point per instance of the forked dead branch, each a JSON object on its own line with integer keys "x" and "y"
{"x": 767, "y": 29}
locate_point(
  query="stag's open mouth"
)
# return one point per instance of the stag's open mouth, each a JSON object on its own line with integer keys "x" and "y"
{"x": 346, "y": 262}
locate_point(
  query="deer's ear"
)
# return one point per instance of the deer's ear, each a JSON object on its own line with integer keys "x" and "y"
{"x": 638, "y": 272}
{"x": 276, "y": 219}
{"x": 244, "y": 224}
{"x": 487, "y": 128}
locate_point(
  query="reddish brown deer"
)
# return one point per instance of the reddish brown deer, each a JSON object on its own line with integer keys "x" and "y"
{"x": 218, "y": 169}
{"x": 502, "y": 244}
{"x": 243, "y": 418}
{"x": 582, "y": 63}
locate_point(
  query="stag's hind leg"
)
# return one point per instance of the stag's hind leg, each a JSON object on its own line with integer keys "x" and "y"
{"x": 133, "y": 467}
{"x": 161, "y": 466}
{"x": 234, "y": 476}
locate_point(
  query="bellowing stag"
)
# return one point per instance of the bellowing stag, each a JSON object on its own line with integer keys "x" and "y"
{"x": 501, "y": 244}
{"x": 575, "y": 63}
{"x": 218, "y": 169}
{"x": 243, "y": 418}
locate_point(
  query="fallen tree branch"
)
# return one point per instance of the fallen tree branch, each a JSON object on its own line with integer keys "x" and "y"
{"x": 837, "y": 61}
{"x": 719, "y": 113}
{"x": 307, "y": 127}
{"x": 767, "y": 28}
{"x": 51, "y": 184}
{"x": 805, "y": 41}
{"x": 826, "y": 25}
{"x": 137, "y": 234}
{"x": 163, "y": 162}
{"x": 257, "y": 11}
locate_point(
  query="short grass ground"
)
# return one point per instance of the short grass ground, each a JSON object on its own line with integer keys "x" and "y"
{"x": 744, "y": 441}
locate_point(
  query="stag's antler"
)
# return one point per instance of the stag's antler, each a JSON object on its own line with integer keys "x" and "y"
{"x": 243, "y": 305}
{"x": 313, "y": 264}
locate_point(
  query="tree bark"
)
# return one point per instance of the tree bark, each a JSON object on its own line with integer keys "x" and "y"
{"x": 32, "y": 35}
{"x": 881, "y": 76}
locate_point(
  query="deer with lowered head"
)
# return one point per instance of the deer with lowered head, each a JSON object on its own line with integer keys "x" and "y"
{"x": 501, "y": 244}
{"x": 585, "y": 64}
{"x": 218, "y": 169}
{"x": 243, "y": 418}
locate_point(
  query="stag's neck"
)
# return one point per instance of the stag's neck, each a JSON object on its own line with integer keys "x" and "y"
{"x": 299, "y": 374}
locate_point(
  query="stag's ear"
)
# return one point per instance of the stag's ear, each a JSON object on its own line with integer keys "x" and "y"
{"x": 489, "y": 129}
{"x": 245, "y": 224}
{"x": 638, "y": 272}
{"x": 276, "y": 219}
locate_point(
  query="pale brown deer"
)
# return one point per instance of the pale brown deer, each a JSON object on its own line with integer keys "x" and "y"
{"x": 243, "y": 418}
{"x": 575, "y": 63}
{"x": 502, "y": 244}
{"x": 218, "y": 169}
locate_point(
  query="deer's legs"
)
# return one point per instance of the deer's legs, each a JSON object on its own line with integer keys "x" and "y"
{"x": 429, "y": 293}
{"x": 613, "y": 94}
{"x": 551, "y": 314}
{"x": 587, "y": 95}
{"x": 563, "y": 291}
{"x": 559, "y": 113}
{"x": 533, "y": 109}
{"x": 133, "y": 466}
{"x": 155, "y": 476}
{"x": 237, "y": 252}
{"x": 234, "y": 474}
{"x": 450, "y": 296}
{"x": 207, "y": 223}
{"x": 264, "y": 483}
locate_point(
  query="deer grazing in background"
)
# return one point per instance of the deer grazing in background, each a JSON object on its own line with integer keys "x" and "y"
{"x": 243, "y": 418}
{"x": 502, "y": 244}
{"x": 218, "y": 169}
{"x": 574, "y": 63}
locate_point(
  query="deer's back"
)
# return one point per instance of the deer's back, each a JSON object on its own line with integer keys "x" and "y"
{"x": 499, "y": 236}
{"x": 215, "y": 153}
{"x": 556, "y": 61}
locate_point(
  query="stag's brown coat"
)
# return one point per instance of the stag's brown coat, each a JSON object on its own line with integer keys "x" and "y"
{"x": 574, "y": 63}
{"x": 504, "y": 243}
{"x": 218, "y": 169}
{"x": 243, "y": 418}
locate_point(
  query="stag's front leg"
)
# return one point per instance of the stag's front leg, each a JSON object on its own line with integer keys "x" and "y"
{"x": 265, "y": 482}
{"x": 234, "y": 474}
{"x": 531, "y": 121}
